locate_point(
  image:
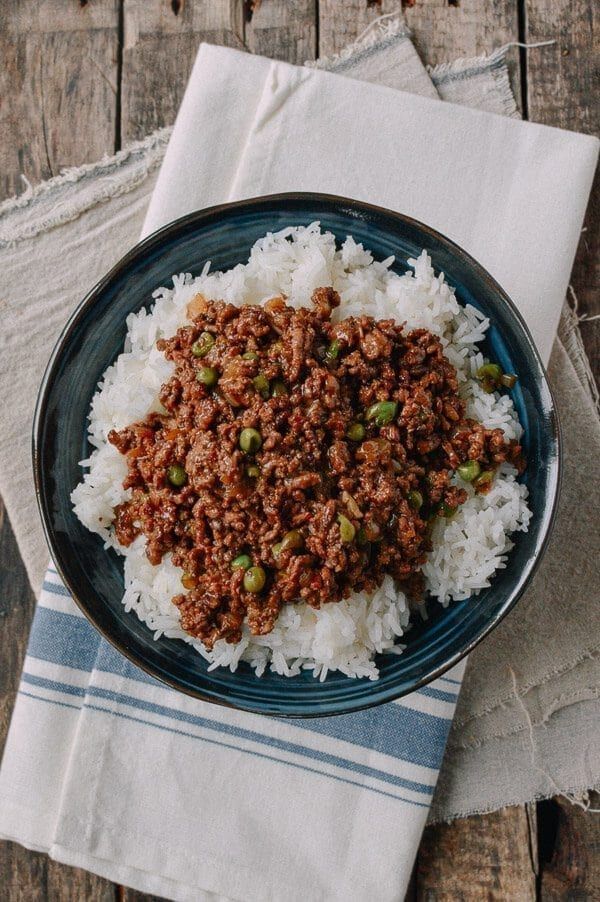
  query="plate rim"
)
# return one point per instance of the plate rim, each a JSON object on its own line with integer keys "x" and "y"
{"x": 350, "y": 207}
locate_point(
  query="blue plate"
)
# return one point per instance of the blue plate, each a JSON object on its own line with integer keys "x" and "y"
{"x": 93, "y": 338}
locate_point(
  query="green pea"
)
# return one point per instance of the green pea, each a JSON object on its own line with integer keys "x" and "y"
{"x": 383, "y": 412}
{"x": 203, "y": 344}
{"x": 249, "y": 355}
{"x": 347, "y": 529}
{"x": 254, "y": 580}
{"x": 361, "y": 536}
{"x": 333, "y": 350}
{"x": 177, "y": 475}
{"x": 447, "y": 510}
{"x": 279, "y": 389}
{"x": 292, "y": 540}
{"x": 490, "y": 371}
{"x": 250, "y": 440}
{"x": 415, "y": 499}
{"x": 207, "y": 376}
{"x": 484, "y": 481}
{"x": 261, "y": 384}
{"x": 355, "y": 432}
{"x": 241, "y": 562}
{"x": 188, "y": 580}
{"x": 469, "y": 470}
{"x": 276, "y": 549}
{"x": 253, "y": 471}
{"x": 508, "y": 380}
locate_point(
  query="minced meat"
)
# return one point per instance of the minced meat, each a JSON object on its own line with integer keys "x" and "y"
{"x": 352, "y": 432}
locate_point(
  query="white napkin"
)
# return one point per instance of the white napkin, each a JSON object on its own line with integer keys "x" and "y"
{"x": 195, "y": 802}
{"x": 511, "y": 193}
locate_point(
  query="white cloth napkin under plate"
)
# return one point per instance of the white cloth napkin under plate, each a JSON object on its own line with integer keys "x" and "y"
{"x": 511, "y": 193}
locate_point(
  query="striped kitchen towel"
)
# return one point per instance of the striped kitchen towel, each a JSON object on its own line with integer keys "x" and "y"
{"x": 127, "y": 778}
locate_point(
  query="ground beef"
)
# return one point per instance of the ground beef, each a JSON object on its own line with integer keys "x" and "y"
{"x": 358, "y": 501}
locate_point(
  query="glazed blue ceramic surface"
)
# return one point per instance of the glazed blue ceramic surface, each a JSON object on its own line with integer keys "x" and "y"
{"x": 94, "y": 337}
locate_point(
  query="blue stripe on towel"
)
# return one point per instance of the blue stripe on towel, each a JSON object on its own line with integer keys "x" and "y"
{"x": 56, "y": 589}
{"x": 392, "y": 729}
{"x": 230, "y": 730}
{"x": 63, "y": 639}
{"x": 438, "y": 693}
{"x": 55, "y": 685}
{"x": 180, "y": 732}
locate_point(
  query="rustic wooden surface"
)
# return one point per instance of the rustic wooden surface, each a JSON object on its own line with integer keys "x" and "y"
{"x": 82, "y": 77}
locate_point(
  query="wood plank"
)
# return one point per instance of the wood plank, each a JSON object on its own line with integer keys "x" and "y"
{"x": 22, "y": 873}
{"x": 57, "y": 87}
{"x": 132, "y": 895}
{"x": 562, "y": 90}
{"x": 283, "y": 30}
{"x": 57, "y": 108}
{"x": 487, "y": 857}
{"x": 342, "y": 21}
{"x": 26, "y": 876}
{"x": 160, "y": 42}
{"x": 16, "y": 612}
{"x": 573, "y": 872}
{"x": 32, "y": 877}
{"x": 66, "y": 884}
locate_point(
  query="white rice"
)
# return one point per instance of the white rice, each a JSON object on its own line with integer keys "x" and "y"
{"x": 467, "y": 550}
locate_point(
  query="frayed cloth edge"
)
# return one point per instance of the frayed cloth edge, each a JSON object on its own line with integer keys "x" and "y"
{"x": 110, "y": 177}
{"x": 577, "y": 795}
{"x": 385, "y": 28}
{"x": 494, "y": 64}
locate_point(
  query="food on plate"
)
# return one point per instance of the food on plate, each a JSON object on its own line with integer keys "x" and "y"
{"x": 294, "y": 454}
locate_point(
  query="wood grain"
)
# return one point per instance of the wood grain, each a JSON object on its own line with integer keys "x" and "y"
{"x": 132, "y": 895}
{"x": 478, "y": 858}
{"x": 342, "y": 21}
{"x": 160, "y": 42}
{"x": 16, "y": 611}
{"x": 563, "y": 83}
{"x": 58, "y": 99}
{"x": 58, "y": 83}
{"x": 573, "y": 872}
{"x": 27, "y": 876}
{"x": 66, "y": 884}
{"x": 283, "y": 30}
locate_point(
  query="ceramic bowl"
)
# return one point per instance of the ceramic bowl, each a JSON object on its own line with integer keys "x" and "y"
{"x": 93, "y": 338}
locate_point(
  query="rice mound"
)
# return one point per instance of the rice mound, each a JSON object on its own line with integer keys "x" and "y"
{"x": 467, "y": 550}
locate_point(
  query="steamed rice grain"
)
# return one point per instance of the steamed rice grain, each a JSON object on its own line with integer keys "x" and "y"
{"x": 467, "y": 550}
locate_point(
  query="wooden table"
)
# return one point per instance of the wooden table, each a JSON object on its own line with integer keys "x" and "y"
{"x": 81, "y": 78}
